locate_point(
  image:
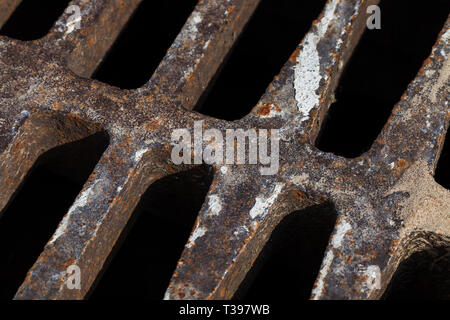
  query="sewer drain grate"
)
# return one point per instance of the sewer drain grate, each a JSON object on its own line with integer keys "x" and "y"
{"x": 387, "y": 202}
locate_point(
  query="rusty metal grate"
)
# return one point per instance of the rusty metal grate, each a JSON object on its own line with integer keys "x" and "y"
{"x": 387, "y": 202}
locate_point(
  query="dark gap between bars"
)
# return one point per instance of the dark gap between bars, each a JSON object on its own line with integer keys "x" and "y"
{"x": 145, "y": 257}
{"x": 33, "y": 19}
{"x": 425, "y": 275}
{"x": 32, "y": 216}
{"x": 289, "y": 264}
{"x": 383, "y": 64}
{"x": 143, "y": 43}
{"x": 269, "y": 38}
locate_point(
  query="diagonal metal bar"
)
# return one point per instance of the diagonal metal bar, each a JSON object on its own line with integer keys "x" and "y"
{"x": 198, "y": 51}
{"x": 228, "y": 235}
{"x": 422, "y": 114}
{"x": 304, "y": 89}
{"x": 38, "y": 134}
{"x": 8, "y": 7}
{"x": 389, "y": 201}
{"x": 82, "y": 41}
{"x": 88, "y": 232}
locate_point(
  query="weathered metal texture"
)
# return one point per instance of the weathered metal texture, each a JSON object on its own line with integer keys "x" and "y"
{"x": 387, "y": 199}
{"x": 8, "y": 7}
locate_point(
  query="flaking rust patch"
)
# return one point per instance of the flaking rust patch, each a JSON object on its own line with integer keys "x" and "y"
{"x": 139, "y": 154}
{"x": 192, "y": 25}
{"x": 263, "y": 204}
{"x": 198, "y": 233}
{"x": 319, "y": 287}
{"x": 81, "y": 201}
{"x": 441, "y": 82}
{"x": 215, "y": 205}
{"x": 307, "y": 72}
{"x": 341, "y": 230}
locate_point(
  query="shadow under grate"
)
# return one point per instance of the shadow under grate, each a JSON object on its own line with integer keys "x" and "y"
{"x": 268, "y": 40}
{"x": 145, "y": 257}
{"x": 383, "y": 64}
{"x": 31, "y": 218}
{"x": 288, "y": 265}
{"x": 425, "y": 275}
{"x": 143, "y": 43}
{"x": 33, "y": 19}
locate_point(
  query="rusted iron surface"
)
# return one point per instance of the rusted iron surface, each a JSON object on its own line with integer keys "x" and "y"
{"x": 386, "y": 199}
{"x": 8, "y": 7}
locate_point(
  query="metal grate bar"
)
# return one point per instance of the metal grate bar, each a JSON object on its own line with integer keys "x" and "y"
{"x": 8, "y": 7}
{"x": 100, "y": 23}
{"x": 386, "y": 199}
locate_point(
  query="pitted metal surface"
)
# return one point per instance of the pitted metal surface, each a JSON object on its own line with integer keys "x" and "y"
{"x": 386, "y": 199}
